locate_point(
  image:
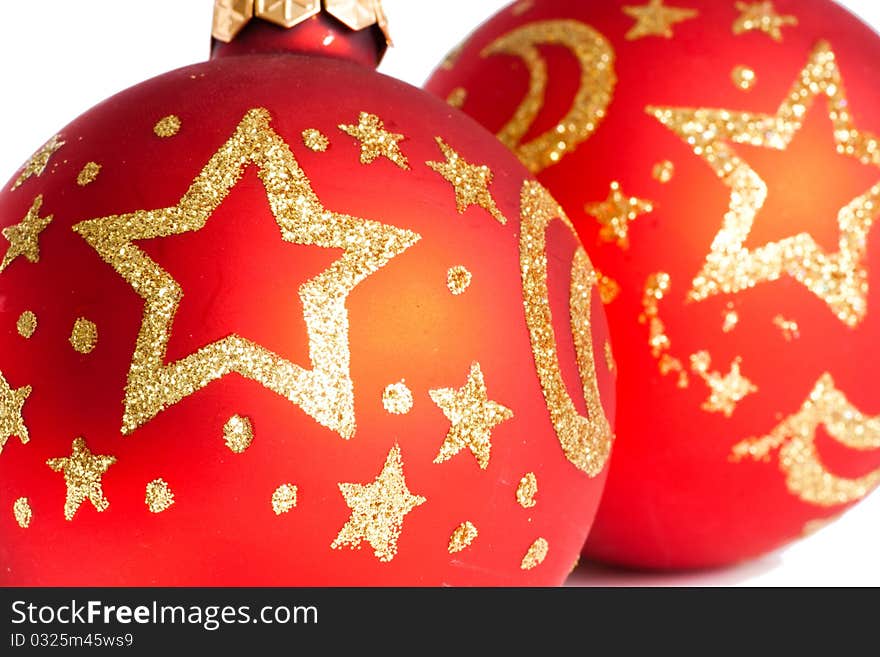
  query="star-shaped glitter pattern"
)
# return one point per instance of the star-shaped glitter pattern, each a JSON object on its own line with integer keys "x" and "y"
{"x": 655, "y": 19}
{"x": 82, "y": 474}
{"x": 378, "y": 509}
{"x": 24, "y": 237}
{"x": 325, "y": 392}
{"x": 761, "y": 16}
{"x": 375, "y": 140}
{"x": 473, "y": 416}
{"x": 726, "y": 391}
{"x": 471, "y": 182}
{"x": 839, "y": 279}
{"x": 39, "y": 160}
{"x": 615, "y": 213}
{"x": 11, "y": 420}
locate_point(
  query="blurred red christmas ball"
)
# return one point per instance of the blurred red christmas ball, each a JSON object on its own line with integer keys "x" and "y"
{"x": 720, "y": 162}
{"x": 263, "y": 310}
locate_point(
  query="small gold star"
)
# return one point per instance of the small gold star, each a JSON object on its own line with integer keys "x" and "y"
{"x": 82, "y": 474}
{"x": 726, "y": 391}
{"x": 473, "y": 417}
{"x": 24, "y": 238}
{"x": 37, "y": 164}
{"x": 615, "y": 213}
{"x": 11, "y": 421}
{"x": 378, "y": 509}
{"x": 375, "y": 140}
{"x": 761, "y": 16}
{"x": 655, "y": 19}
{"x": 471, "y": 181}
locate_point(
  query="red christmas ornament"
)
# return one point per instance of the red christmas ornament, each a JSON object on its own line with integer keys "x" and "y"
{"x": 720, "y": 161}
{"x": 263, "y": 311}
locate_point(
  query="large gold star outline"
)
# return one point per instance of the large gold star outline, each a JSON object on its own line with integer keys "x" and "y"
{"x": 840, "y": 278}
{"x": 326, "y": 391}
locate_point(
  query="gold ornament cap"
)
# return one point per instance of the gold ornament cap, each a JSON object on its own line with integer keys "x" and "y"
{"x": 231, "y": 16}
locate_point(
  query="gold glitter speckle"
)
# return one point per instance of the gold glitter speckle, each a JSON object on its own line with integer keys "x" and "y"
{"x": 609, "y": 289}
{"x": 159, "y": 496}
{"x": 663, "y": 171}
{"x": 26, "y": 324}
{"x": 743, "y": 77}
{"x": 725, "y": 391}
{"x": 536, "y": 554}
{"x": 24, "y": 237}
{"x": 656, "y": 287}
{"x": 472, "y": 416}
{"x": 596, "y": 58}
{"x": 462, "y": 537}
{"x": 839, "y": 279}
{"x": 526, "y": 491}
{"x": 284, "y": 498}
{"x": 609, "y": 358}
{"x": 82, "y": 474}
{"x": 585, "y": 440}
{"x": 731, "y": 318}
{"x": 167, "y": 126}
{"x": 790, "y": 329}
{"x": 457, "y": 97}
{"x": 84, "y": 336}
{"x": 21, "y": 509}
{"x": 88, "y": 173}
{"x": 325, "y": 392}
{"x": 615, "y": 213}
{"x": 375, "y": 140}
{"x": 458, "y": 279}
{"x": 11, "y": 420}
{"x": 238, "y": 433}
{"x": 761, "y": 16}
{"x": 522, "y": 7}
{"x": 655, "y": 19}
{"x": 397, "y": 398}
{"x": 315, "y": 140}
{"x": 470, "y": 181}
{"x": 378, "y": 509}
{"x": 36, "y": 165}
{"x": 805, "y": 475}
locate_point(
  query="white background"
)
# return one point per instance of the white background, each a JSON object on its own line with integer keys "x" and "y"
{"x": 60, "y": 57}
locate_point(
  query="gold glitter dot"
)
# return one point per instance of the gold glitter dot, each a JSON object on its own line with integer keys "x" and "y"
{"x": 88, "y": 174}
{"x": 731, "y": 319}
{"x": 663, "y": 171}
{"x": 159, "y": 496}
{"x": 536, "y": 554}
{"x": 21, "y": 509}
{"x": 84, "y": 336}
{"x": 397, "y": 398}
{"x": 597, "y": 80}
{"x": 26, "y": 324}
{"x": 462, "y": 537}
{"x": 457, "y": 97}
{"x": 743, "y": 77}
{"x": 458, "y": 279}
{"x": 284, "y": 498}
{"x": 238, "y": 433}
{"x": 315, "y": 140}
{"x": 167, "y": 126}
{"x": 609, "y": 357}
{"x": 526, "y": 491}
{"x": 789, "y": 327}
{"x": 609, "y": 289}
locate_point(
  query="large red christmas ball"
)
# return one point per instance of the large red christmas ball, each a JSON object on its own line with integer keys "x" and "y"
{"x": 280, "y": 320}
{"x": 720, "y": 162}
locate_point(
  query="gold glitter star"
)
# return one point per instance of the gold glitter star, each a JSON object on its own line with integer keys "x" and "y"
{"x": 655, "y": 19}
{"x": 326, "y": 392}
{"x": 378, "y": 509}
{"x": 761, "y": 16}
{"x": 839, "y": 279}
{"x": 82, "y": 474}
{"x": 615, "y": 213}
{"x": 11, "y": 420}
{"x": 37, "y": 164}
{"x": 472, "y": 416}
{"x": 375, "y": 140}
{"x": 24, "y": 238}
{"x": 725, "y": 391}
{"x": 471, "y": 182}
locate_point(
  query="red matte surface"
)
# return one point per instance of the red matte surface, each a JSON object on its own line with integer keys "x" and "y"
{"x": 238, "y": 276}
{"x": 674, "y": 499}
